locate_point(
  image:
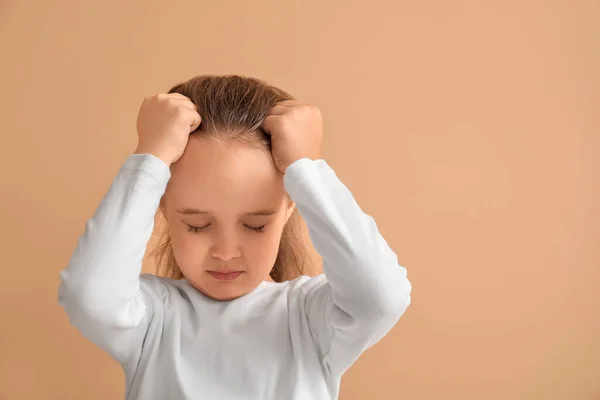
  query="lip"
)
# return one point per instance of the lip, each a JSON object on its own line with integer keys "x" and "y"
{"x": 225, "y": 275}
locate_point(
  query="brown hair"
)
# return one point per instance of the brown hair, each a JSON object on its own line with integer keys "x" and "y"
{"x": 233, "y": 107}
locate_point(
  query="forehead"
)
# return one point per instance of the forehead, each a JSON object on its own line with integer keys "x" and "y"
{"x": 221, "y": 176}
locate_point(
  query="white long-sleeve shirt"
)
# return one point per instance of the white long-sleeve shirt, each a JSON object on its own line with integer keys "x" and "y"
{"x": 290, "y": 340}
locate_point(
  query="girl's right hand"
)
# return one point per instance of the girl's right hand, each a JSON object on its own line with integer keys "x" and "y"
{"x": 164, "y": 124}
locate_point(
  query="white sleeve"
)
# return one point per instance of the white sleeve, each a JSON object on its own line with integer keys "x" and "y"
{"x": 100, "y": 289}
{"x": 365, "y": 290}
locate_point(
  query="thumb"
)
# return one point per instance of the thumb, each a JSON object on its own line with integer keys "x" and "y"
{"x": 195, "y": 120}
{"x": 269, "y": 124}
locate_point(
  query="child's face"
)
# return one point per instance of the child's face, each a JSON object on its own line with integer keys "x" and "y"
{"x": 229, "y": 182}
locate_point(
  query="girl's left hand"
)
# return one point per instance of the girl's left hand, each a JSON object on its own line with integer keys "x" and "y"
{"x": 296, "y": 132}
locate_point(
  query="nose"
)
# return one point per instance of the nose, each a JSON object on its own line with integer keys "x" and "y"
{"x": 225, "y": 247}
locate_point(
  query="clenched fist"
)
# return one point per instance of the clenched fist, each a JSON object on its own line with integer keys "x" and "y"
{"x": 296, "y": 132}
{"x": 164, "y": 124}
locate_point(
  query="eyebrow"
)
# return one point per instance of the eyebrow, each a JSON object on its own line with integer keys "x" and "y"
{"x": 195, "y": 211}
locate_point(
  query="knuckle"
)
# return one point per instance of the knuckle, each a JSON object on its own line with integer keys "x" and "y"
{"x": 161, "y": 96}
{"x": 302, "y": 110}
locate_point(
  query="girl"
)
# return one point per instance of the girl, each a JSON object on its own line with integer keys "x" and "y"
{"x": 235, "y": 318}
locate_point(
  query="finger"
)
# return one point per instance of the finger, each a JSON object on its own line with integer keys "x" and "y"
{"x": 289, "y": 103}
{"x": 285, "y": 106}
{"x": 178, "y": 96}
{"x": 268, "y": 123}
{"x": 189, "y": 104}
{"x": 194, "y": 120}
{"x": 183, "y": 101}
{"x": 278, "y": 110}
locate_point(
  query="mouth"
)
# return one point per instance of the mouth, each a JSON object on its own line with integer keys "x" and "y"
{"x": 225, "y": 275}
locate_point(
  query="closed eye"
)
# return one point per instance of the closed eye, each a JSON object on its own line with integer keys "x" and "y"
{"x": 198, "y": 229}
{"x": 258, "y": 229}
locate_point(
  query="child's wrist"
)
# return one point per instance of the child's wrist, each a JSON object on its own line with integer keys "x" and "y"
{"x": 164, "y": 158}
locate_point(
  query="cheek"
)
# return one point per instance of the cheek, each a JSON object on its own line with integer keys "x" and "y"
{"x": 264, "y": 253}
{"x": 188, "y": 247}
{"x": 261, "y": 248}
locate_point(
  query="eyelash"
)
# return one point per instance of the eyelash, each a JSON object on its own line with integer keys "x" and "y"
{"x": 199, "y": 229}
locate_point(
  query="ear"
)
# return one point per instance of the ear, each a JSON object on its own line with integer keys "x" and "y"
{"x": 291, "y": 206}
{"x": 161, "y": 206}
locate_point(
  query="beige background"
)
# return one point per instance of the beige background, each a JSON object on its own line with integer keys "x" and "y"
{"x": 469, "y": 129}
